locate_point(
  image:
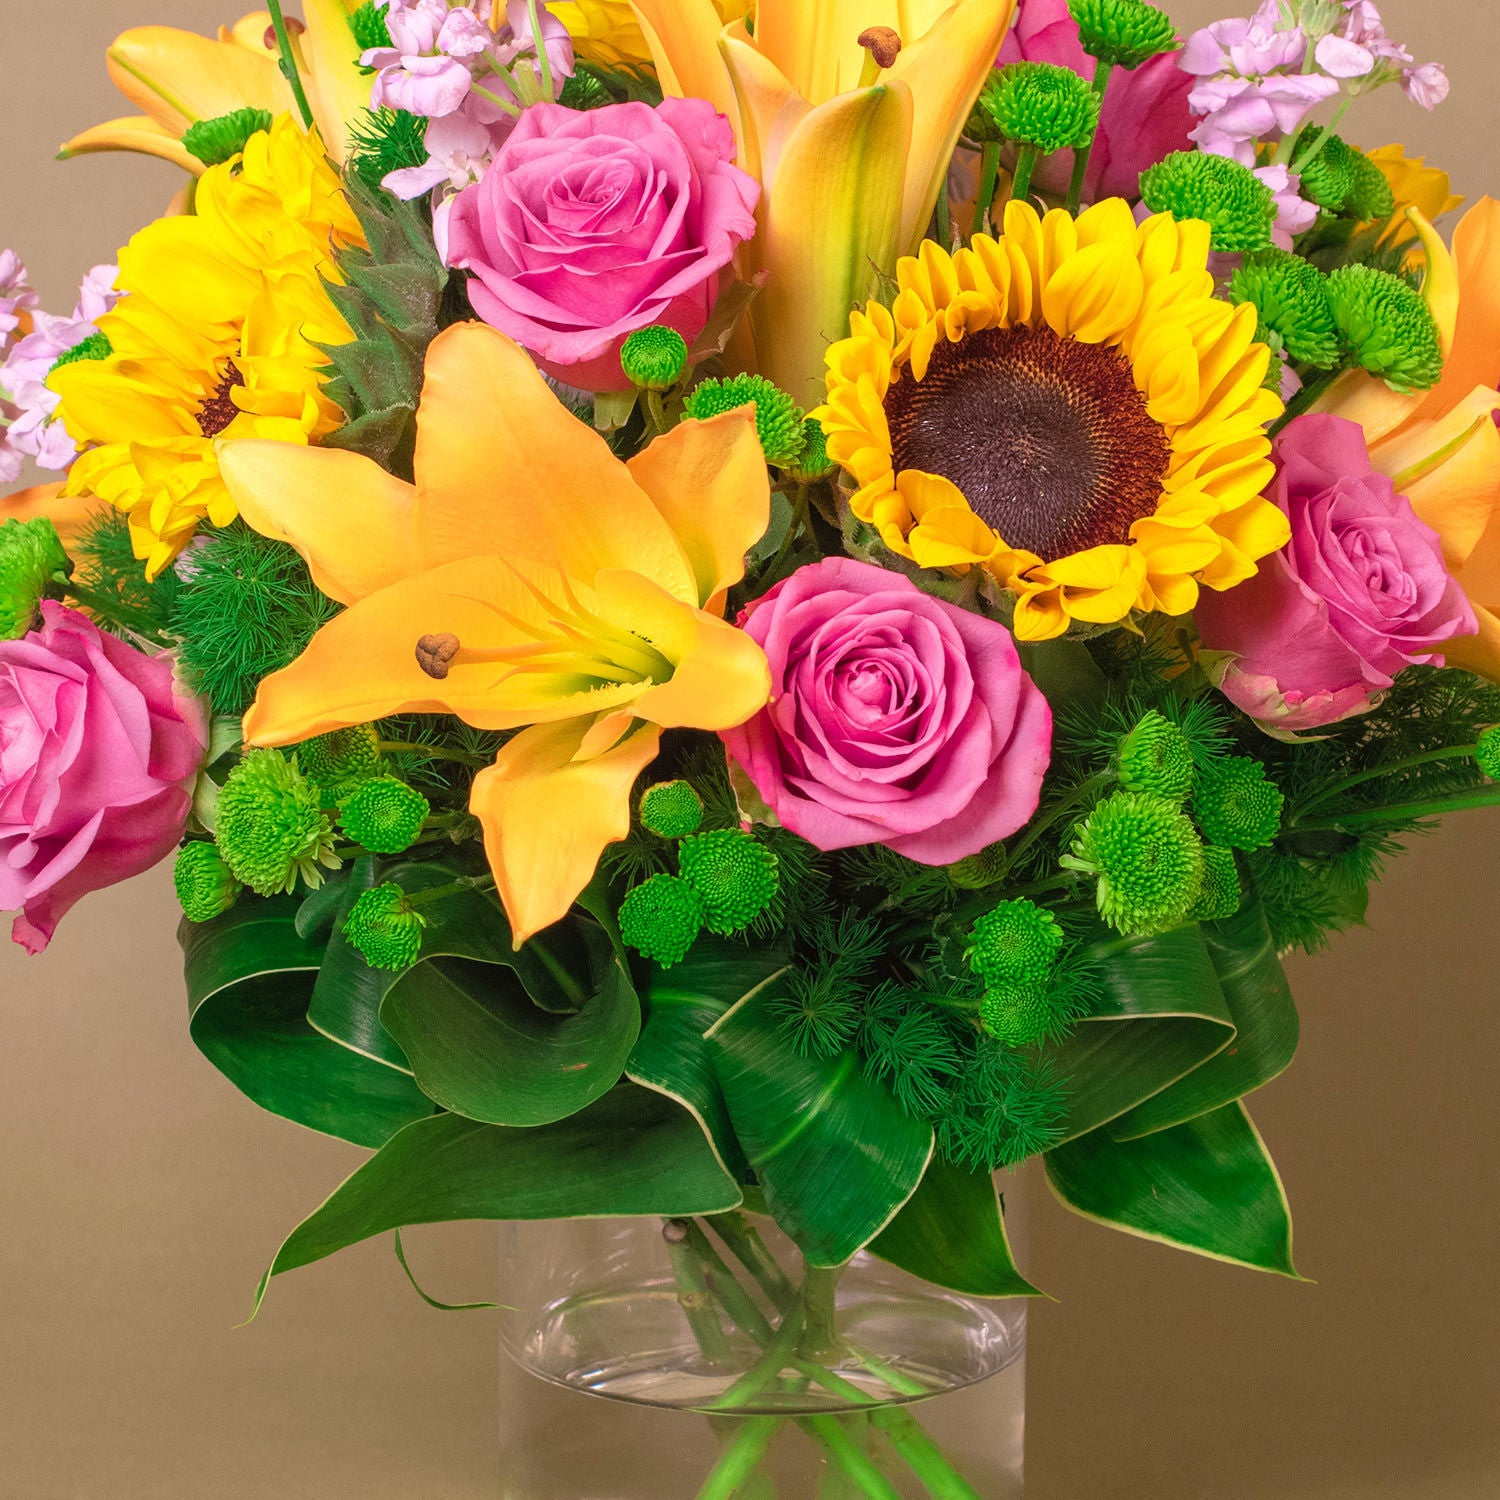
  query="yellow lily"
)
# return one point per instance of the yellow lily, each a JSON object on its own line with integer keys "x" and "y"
{"x": 850, "y": 168}
{"x": 177, "y": 78}
{"x": 1442, "y": 447}
{"x": 528, "y": 580}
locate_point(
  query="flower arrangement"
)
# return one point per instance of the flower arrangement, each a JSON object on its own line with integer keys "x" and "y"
{"x": 734, "y": 618}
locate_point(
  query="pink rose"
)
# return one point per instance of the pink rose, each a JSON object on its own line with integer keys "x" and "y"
{"x": 99, "y": 748}
{"x": 894, "y": 718}
{"x": 1359, "y": 594}
{"x": 591, "y": 224}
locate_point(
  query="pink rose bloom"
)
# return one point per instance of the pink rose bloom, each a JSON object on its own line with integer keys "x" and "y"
{"x": 99, "y": 748}
{"x": 894, "y": 718}
{"x": 1359, "y": 594}
{"x": 591, "y": 224}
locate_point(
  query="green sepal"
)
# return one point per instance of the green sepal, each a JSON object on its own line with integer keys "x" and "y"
{"x": 1208, "y": 1186}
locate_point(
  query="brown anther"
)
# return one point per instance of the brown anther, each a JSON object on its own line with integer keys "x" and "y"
{"x": 294, "y": 27}
{"x": 883, "y": 44}
{"x": 436, "y": 652}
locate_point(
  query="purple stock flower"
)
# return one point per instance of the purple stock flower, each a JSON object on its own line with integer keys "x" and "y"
{"x": 1426, "y": 85}
{"x": 16, "y": 296}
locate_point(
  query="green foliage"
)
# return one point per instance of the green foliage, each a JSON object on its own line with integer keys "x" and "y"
{"x": 205, "y": 885}
{"x": 911, "y": 1047}
{"x": 1146, "y": 857}
{"x": 270, "y": 825}
{"x": 661, "y": 919}
{"x": 31, "y": 552}
{"x": 248, "y": 608}
{"x": 386, "y": 141}
{"x": 1041, "y": 104}
{"x": 385, "y": 928}
{"x": 1236, "y": 204}
{"x": 593, "y": 86}
{"x": 827, "y": 987}
{"x": 778, "y": 418}
{"x": 1005, "y": 1106}
{"x": 671, "y": 809}
{"x": 221, "y": 139}
{"x": 384, "y": 815}
{"x": 104, "y": 562}
{"x": 735, "y": 875}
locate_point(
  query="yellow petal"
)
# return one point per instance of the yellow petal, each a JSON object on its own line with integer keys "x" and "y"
{"x": 816, "y": 46}
{"x": 768, "y": 107}
{"x": 1477, "y": 653}
{"x": 132, "y": 133}
{"x": 1440, "y": 287}
{"x": 177, "y": 77}
{"x": 709, "y": 482}
{"x": 503, "y": 467}
{"x": 350, "y": 520}
{"x": 548, "y": 816}
{"x": 337, "y": 91}
{"x": 1474, "y": 356}
{"x": 683, "y": 38}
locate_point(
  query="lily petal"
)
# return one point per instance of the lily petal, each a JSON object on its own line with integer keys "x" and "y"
{"x": 132, "y": 133}
{"x": 503, "y": 467}
{"x": 338, "y": 92}
{"x": 178, "y": 77}
{"x": 69, "y": 514}
{"x": 683, "y": 38}
{"x": 1473, "y": 345}
{"x": 709, "y": 482}
{"x": 1479, "y": 653}
{"x": 350, "y": 520}
{"x": 548, "y": 815}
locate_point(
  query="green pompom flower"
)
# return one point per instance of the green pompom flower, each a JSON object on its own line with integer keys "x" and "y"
{"x": 30, "y": 553}
{"x": 661, "y": 918}
{"x": 1236, "y": 806}
{"x": 1370, "y": 195}
{"x": 1237, "y": 206}
{"x": 1328, "y": 178}
{"x": 384, "y": 815}
{"x": 671, "y": 809}
{"x": 206, "y": 887}
{"x": 1291, "y": 296}
{"x": 1220, "y": 895}
{"x": 1123, "y": 33}
{"x": 1487, "y": 753}
{"x": 270, "y": 825}
{"x": 736, "y": 876}
{"x": 1147, "y": 858}
{"x": 95, "y": 346}
{"x": 384, "y": 928}
{"x": 1156, "y": 757}
{"x": 1014, "y": 941}
{"x": 1016, "y": 1012}
{"x": 369, "y": 27}
{"x": 222, "y": 138}
{"x": 1042, "y": 105}
{"x": 1386, "y": 327}
{"x": 778, "y": 419}
{"x": 813, "y": 462}
{"x": 654, "y": 358}
{"x": 341, "y": 758}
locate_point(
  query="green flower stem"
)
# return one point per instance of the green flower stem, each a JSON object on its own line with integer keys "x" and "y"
{"x": 1042, "y": 887}
{"x": 656, "y": 414}
{"x": 431, "y": 752}
{"x": 289, "y": 62}
{"x": 921, "y": 1455}
{"x": 898, "y": 1380}
{"x": 747, "y": 1247}
{"x": 732, "y": 1297}
{"x": 818, "y": 1290}
{"x": 1026, "y": 160}
{"x": 544, "y": 63}
{"x": 1082, "y": 793}
{"x": 497, "y": 100}
{"x": 453, "y": 888}
{"x": 1403, "y": 812}
{"x": 1081, "y": 159}
{"x": 795, "y": 528}
{"x": 778, "y": 1354}
{"x": 105, "y": 607}
{"x": 832, "y": 1435}
{"x": 1394, "y": 768}
{"x": 1306, "y": 397}
{"x": 1310, "y": 155}
{"x": 989, "y": 176}
{"x": 696, "y": 1301}
{"x": 944, "y": 220}
{"x": 739, "y": 1462}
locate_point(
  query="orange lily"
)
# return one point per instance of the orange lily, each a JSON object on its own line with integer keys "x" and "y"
{"x": 1442, "y": 446}
{"x": 177, "y": 78}
{"x": 850, "y": 169}
{"x": 71, "y": 515}
{"x": 528, "y": 580}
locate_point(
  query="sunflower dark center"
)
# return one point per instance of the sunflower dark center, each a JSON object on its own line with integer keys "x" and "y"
{"x": 219, "y": 410}
{"x": 1047, "y": 437}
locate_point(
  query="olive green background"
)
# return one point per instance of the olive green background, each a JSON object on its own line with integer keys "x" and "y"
{"x": 141, "y": 1197}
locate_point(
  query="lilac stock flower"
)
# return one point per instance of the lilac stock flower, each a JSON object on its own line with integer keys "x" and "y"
{"x": 1293, "y": 212}
{"x": 16, "y": 296}
{"x": 1426, "y": 85}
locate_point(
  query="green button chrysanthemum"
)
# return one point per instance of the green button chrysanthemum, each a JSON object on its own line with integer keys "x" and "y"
{"x": 30, "y": 553}
{"x": 369, "y": 26}
{"x": 1015, "y": 940}
{"x": 813, "y": 462}
{"x": 1042, "y": 105}
{"x": 384, "y": 815}
{"x": 222, "y": 138}
{"x": 95, "y": 346}
{"x": 1487, "y": 753}
{"x": 270, "y": 825}
{"x": 778, "y": 419}
{"x": 1236, "y": 806}
{"x": 1328, "y": 178}
{"x": 1156, "y": 757}
{"x": 654, "y": 358}
{"x": 671, "y": 810}
{"x": 205, "y": 885}
{"x": 1370, "y": 195}
{"x": 1386, "y": 326}
{"x": 1146, "y": 857}
{"x": 1016, "y": 1012}
{"x": 1123, "y": 33}
{"x": 384, "y": 928}
{"x": 1220, "y": 895}
{"x": 1237, "y": 206}
{"x": 1291, "y": 296}
{"x": 342, "y": 758}
{"x": 736, "y": 876}
{"x": 661, "y": 918}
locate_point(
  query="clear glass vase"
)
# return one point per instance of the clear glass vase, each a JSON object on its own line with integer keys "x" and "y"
{"x": 730, "y": 1370}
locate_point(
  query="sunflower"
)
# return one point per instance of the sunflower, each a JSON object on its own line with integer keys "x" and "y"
{"x": 1067, "y": 406}
{"x": 217, "y": 337}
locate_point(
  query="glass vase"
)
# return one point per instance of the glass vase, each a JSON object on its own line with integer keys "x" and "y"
{"x": 721, "y": 1365}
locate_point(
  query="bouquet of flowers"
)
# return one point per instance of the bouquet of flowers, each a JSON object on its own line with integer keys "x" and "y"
{"x": 740, "y": 616}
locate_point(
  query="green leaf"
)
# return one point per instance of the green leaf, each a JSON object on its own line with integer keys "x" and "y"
{"x": 480, "y": 1047}
{"x": 951, "y": 1233}
{"x": 835, "y": 1154}
{"x": 1163, "y": 1015}
{"x": 1206, "y": 1186}
{"x": 681, "y": 1004}
{"x": 632, "y": 1152}
{"x": 249, "y": 980}
{"x": 1260, "y": 1003}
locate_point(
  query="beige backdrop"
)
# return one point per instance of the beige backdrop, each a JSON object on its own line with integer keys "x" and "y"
{"x": 142, "y": 1197}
